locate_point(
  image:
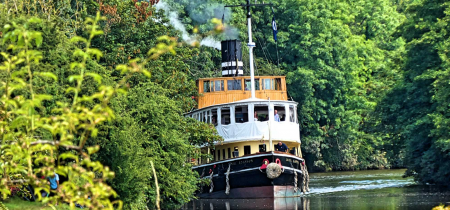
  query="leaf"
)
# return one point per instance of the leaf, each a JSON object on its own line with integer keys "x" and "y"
{"x": 92, "y": 150}
{"x": 76, "y": 39}
{"x": 96, "y": 77}
{"x": 68, "y": 155}
{"x": 48, "y": 75}
{"x": 38, "y": 40}
{"x": 34, "y": 20}
{"x": 95, "y": 52}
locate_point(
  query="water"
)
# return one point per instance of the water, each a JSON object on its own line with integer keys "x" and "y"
{"x": 374, "y": 189}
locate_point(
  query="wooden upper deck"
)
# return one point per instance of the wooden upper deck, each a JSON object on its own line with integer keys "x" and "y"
{"x": 220, "y": 90}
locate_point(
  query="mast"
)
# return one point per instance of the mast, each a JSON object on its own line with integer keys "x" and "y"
{"x": 250, "y": 45}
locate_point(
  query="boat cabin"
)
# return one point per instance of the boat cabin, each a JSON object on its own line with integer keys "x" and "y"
{"x": 222, "y": 90}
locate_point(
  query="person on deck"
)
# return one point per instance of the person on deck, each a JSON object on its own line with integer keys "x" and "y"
{"x": 277, "y": 117}
{"x": 256, "y": 116}
{"x": 54, "y": 185}
{"x": 282, "y": 147}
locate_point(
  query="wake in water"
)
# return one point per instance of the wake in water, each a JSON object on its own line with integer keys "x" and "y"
{"x": 347, "y": 181}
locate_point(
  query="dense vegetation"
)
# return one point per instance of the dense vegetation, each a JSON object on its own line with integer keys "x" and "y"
{"x": 371, "y": 78}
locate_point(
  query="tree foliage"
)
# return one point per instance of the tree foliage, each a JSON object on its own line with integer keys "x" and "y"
{"x": 89, "y": 73}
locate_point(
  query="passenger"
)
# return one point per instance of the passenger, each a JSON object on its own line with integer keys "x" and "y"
{"x": 282, "y": 147}
{"x": 246, "y": 87}
{"x": 277, "y": 117}
{"x": 53, "y": 181}
{"x": 214, "y": 121}
{"x": 256, "y": 116}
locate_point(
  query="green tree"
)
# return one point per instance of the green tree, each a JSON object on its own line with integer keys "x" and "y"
{"x": 415, "y": 112}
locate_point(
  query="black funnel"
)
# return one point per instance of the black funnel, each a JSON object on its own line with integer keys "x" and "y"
{"x": 232, "y": 64}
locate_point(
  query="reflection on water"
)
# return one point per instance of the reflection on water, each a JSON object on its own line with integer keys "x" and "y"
{"x": 379, "y": 189}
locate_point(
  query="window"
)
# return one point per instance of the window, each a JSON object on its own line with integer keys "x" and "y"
{"x": 229, "y": 152}
{"x": 291, "y": 113}
{"x": 236, "y": 152}
{"x": 234, "y": 85}
{"x": 277, "y": 83}
{"x": 214, "y": 117}
{"x": 223, "y": 153}
{"x": 213, "y": 154}
{"x": 296, "y": 117}
{"x": 262, "y": 147}
{"x": 206, "y": 116}
{"x": 217, "y": 85}
{"x": 206, "y": 86}
{"x": 262, "y": 112}
{"x": 218, "y": 154}
{"x": 241, "y": 114}
{"x": 248, "y": 84}
{"x": 247, "y": 150}
{"x": 280, "y": 110}
{"x": 225, "y": 115}
{"x": 267, "y": 84}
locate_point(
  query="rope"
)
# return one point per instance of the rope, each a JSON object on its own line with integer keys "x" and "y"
{"x": 203, "y": 173}
{"x": 295, "y": 181}
{"x": 303, "y": 189}
{"x": 307, "y": 179}
{"x": 227, "y": 190}
{"x": 212, "y": 183}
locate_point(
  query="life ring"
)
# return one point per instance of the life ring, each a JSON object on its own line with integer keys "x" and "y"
{"x": 273, "y": 171}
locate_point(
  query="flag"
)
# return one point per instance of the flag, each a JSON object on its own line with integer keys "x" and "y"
{"x": 274, "y": 27}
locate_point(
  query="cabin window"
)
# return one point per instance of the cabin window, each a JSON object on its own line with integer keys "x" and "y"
{"x": 262, "y": 148}
{"x": 281, "y": 113}
{"x": 195, "y": 116}
{"x": 262, "y": 112}
{"x": 234, "y": 85}
{"x": 223, "y": 154}
{"x": 236, "y": 152}
{"x": 248, "y": 84}
{"x": 277, "y": 83}
{"x": 201, "y": 116}
{"x": 217, "y": 85}
{"x": 247, "y": 150}
{"x": 291, "y": 113}
{"x": 214, "y": 117}
{"x": 267, "y": 84}
{"x": 213, "y": 154}
{"x": 229, "y": 152}
{"x": 296, "y": 117}
{"x": 206, "y": 116}
{"x": 218, "y": 154}
{"x": 206, "y": 86}
{"x": 225, "y": 115}
{"x": 241, "y": 114}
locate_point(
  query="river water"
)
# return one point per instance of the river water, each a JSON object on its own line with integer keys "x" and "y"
{"x": 371, "y": 189}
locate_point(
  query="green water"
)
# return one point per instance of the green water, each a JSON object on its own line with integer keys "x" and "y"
{"x": 374, "y": 189}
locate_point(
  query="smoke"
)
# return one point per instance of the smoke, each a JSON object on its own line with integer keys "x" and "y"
{"x": 201, "y": 12}
{"x": 175, "y": 21}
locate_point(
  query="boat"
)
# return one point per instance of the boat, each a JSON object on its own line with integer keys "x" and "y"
{"x": 252, "y": 114}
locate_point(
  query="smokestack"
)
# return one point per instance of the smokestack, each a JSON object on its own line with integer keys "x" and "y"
{"x": 232, "y": 64}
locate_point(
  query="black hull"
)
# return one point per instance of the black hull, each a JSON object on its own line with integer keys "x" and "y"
{"x": 246, "y": 180}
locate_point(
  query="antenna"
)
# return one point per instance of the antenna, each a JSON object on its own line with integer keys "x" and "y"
{"x": 250, "y": 43}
